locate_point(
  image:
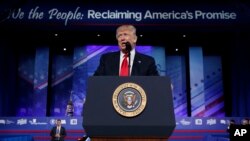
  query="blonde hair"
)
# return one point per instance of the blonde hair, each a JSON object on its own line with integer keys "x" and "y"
{"x": 126, "y": 27}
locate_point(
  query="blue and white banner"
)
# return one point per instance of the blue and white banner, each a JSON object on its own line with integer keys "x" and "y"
{"x": 187, "y": 128}
{"x": 54, "y": 15}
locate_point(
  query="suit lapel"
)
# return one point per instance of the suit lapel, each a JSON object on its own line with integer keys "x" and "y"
{"x": 116, "y": 65}
{"x": 136, "y": 64}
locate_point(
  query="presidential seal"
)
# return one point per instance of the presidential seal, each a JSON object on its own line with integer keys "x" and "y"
{"x": 129, "y": 99}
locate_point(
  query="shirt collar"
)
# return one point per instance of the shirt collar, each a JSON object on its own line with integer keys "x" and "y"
{"x": 132, "y": 53}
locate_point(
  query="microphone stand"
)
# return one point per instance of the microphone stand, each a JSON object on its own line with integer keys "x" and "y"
{"x": 129, "y": 63}
{"x": 128, "y": 49}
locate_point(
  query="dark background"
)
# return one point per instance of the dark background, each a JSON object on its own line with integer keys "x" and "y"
{"x": 231, "y": 42}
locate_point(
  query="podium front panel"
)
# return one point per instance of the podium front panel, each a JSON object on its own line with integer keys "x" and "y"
{"x": 101, "y": 119}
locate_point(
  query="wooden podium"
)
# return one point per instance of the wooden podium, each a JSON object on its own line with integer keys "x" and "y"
{"x": 102, "y": 121}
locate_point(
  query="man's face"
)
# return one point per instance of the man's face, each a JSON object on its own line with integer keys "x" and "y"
{"x": 244, "y": 122}
{"x": 58, "y": 123}
{"x": 124, "y": 36}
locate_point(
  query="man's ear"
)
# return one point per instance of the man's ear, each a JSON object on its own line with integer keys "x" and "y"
{"x": 135, "y": 40}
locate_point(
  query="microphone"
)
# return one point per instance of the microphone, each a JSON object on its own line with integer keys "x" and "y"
{"x": 128, "y": 46}
{"x": 128, "y": 49}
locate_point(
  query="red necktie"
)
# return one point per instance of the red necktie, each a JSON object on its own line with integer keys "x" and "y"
{"x": 124, "y": 66}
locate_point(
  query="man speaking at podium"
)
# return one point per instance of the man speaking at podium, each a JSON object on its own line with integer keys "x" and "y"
{"x": 127, "y": 61}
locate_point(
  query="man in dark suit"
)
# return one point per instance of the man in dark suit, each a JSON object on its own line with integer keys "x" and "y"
{"x": 58, "y": 132}
{"x": 111, "y": 64}
{"x": 137, "y": 64}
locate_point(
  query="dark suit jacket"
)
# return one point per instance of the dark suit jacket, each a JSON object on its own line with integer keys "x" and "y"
{"x": 143, "y": 65}
{"x": 53, "y": 133}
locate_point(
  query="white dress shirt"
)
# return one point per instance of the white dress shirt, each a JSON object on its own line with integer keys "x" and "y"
{"x": 58, "y": 128}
